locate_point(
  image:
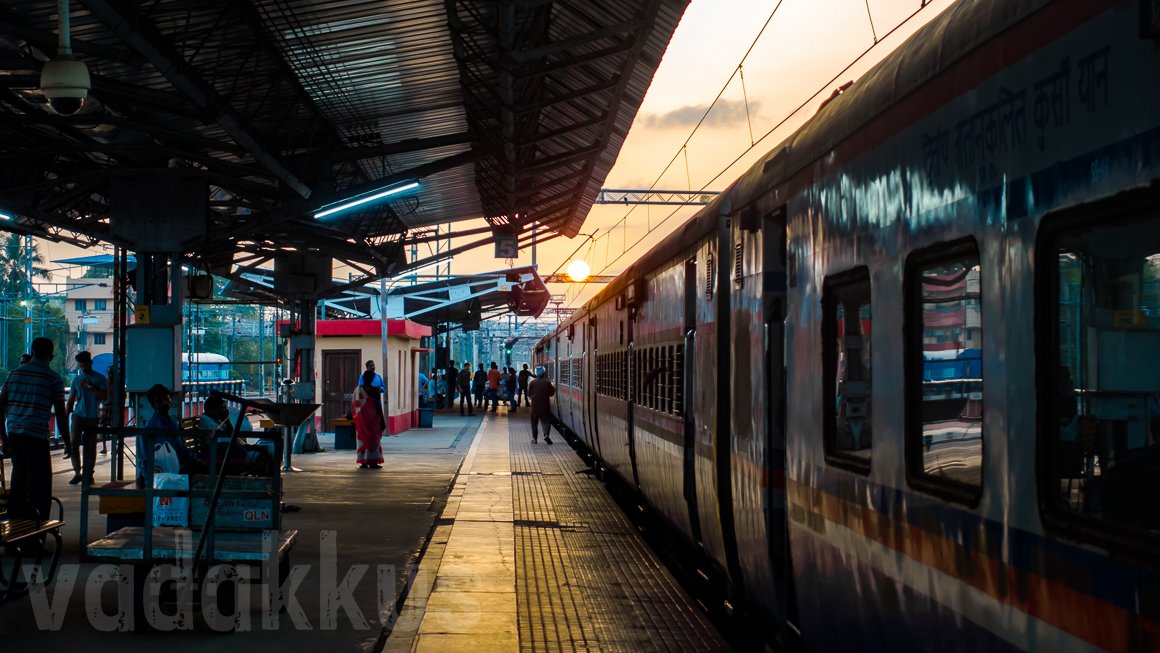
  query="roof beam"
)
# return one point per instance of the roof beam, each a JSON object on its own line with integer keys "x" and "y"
{"x": 400, "y": 147}
{"x": 587, "y": 38}
{"x": 47, "y": 43}
{"x": 143, "y": 37}
{"x": 571, "y": 62}
{"x": 615, "y": 82}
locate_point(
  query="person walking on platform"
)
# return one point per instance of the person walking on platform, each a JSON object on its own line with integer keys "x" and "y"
{"x": 525, "y": 376}
{"x": 493, "y": 377}
{"x": 88, "y": 390}
{"x": 32, "y": 393}
{"x": 479, "y": 386}
{"x": 464, "y": 382}
{"x": 369, "y": 424}
{"x": 511, "y": 389}
{"x": 540, "y": 390}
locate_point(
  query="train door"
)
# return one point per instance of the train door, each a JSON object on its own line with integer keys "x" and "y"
{"x": 593, "y": 423}
{"x": 688, "y": 392}
{"x": 630, "y": 393}
{"x": 773, "y": 303}
{"x": 707, "y": 389}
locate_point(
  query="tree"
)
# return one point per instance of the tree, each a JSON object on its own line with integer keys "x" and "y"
{"x": 14, "y": 278}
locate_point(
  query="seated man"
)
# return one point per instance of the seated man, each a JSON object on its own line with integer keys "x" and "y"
{"x": 170, "y": 452}
{"x": 217, "y": 415}
{"x": 244, "y": 458}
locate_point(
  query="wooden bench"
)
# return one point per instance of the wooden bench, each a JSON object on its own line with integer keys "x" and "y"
{"x": 21, "y": 538}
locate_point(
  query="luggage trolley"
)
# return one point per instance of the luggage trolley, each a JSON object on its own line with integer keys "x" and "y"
{"x": 233, "y": 520}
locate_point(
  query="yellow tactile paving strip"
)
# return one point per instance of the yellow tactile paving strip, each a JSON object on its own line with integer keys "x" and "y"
{"x": 539, "y": 560}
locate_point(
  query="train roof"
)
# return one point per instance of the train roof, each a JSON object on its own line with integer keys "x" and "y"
{"x": 950, "y": 36}
{"x": 203, "y": 357}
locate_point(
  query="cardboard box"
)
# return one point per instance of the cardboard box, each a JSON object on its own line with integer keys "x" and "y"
{"x": 235, "y": 513}
{"x": 120, "y": 505}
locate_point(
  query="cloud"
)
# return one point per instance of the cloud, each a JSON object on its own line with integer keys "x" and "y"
{"x": 726, "y": 113}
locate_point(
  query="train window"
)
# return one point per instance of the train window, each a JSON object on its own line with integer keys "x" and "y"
{"x": 945, "y": 373}
{"x": 1100, "y": 383}
{"x": 678, "y": 384}
{"x": 846, "y": 360}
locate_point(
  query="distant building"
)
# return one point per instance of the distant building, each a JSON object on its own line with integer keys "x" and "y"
{"x": 88, "y": 308}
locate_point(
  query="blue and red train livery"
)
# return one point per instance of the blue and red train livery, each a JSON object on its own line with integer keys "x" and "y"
{"x": 899, "y": 385}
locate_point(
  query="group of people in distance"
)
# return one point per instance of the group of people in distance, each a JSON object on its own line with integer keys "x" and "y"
{"x": 495, "y": 385}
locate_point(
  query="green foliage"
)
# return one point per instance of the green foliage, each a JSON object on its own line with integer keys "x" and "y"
{"x": 14, "y": 279}
{"x": 98, "y": 272}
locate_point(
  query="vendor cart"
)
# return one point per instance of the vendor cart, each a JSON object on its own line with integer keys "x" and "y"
{"x": 232, "y": 519}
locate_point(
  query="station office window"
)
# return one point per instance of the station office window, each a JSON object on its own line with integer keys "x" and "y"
{"x": 944, "y": 351}
{"x": 1101, "y": 425}
{"x": 81, "y": 304}
{"x": 846, "y": 363}
{"x": 100, "y": 305}
{"x": 98, "y": 338}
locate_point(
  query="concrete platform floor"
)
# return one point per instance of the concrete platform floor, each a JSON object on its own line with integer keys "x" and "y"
{"x": 530, "y": 555}
{"x": 374, "y": 517}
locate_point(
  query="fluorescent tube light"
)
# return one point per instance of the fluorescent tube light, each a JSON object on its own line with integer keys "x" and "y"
{"x": 374, "y": 195}
{"x": 5, "y": 216}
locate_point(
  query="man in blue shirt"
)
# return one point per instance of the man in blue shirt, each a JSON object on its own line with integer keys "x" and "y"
{"x": 424, "y": 387}
{"x": 161, "y": 401}
{"x": 29, "y": 397}
{"x": 88, "y": 390}
{"x": 378, "y": 380}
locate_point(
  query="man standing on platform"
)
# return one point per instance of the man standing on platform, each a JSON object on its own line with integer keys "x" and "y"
{"x": 29, "y": 397}
{"x": 524, "y": 376}
{"x": 479, "y": 383}
{"x": 493, "y": 377}
{"x": 376, "y": 382}
{"x": 451, "y": 374}
{"x": 540, "y": 390}
{"x": 88, "y": 390}
{"x": 464, "y": 383}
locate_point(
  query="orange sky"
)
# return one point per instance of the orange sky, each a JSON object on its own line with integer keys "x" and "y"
{"x": 806, "y": 43}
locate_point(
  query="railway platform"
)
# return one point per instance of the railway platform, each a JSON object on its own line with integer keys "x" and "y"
{"x": 529, "y": 554}
{"x": 372, "y": 519}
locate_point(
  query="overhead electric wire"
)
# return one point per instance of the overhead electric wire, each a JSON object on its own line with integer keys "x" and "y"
{"x": 682, "y": 148}
{"x": 769, "y": 133}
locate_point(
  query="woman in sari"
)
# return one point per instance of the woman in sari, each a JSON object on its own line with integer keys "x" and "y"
{"x": 369, "y": 424}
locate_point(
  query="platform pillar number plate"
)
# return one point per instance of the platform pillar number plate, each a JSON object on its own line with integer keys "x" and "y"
{"x": 507, "y": 246}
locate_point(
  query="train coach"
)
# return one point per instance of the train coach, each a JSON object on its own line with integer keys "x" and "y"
{"x": 899, "y": 385}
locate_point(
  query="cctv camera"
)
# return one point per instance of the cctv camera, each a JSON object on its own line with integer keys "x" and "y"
{"x": 65, "y": 82}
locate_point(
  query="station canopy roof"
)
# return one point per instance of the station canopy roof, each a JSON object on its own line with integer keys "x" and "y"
{"x": 464, "y": 300}
{"x": 511, "y": 111}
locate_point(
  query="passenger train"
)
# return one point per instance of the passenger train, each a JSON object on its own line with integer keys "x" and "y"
{"x": 899, "y": 385}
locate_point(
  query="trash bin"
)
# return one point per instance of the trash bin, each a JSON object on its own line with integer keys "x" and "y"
{"x": 426, "y": 417}
{"x": 344, "y": 434}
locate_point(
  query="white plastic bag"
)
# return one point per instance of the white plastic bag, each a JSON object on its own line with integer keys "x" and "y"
{"x": 165, "y": 458}
{"x": 171, "y": 511}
